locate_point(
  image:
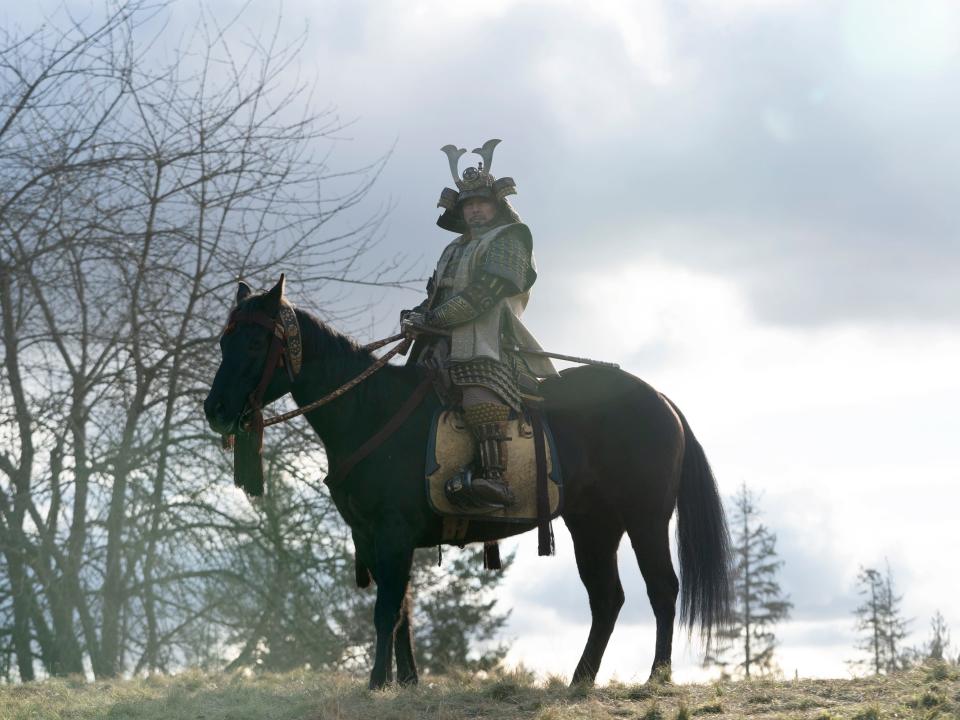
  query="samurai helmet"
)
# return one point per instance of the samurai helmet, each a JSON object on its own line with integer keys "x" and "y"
{"x": 476, "y": 181}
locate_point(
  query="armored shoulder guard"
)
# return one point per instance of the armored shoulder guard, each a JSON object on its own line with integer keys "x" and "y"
{"x": 509, "y": 257}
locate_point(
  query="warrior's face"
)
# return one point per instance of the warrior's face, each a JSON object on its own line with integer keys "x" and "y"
{"x": 478, "y": 211}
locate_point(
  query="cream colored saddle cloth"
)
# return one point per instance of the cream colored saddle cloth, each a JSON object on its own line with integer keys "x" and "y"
{"x": 451, "y": 445}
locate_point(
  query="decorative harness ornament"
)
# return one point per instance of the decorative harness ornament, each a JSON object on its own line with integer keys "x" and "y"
{"x": 286, "y": 348}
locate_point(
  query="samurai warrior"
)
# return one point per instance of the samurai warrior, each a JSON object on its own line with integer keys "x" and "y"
{"x": 469, "y": 325}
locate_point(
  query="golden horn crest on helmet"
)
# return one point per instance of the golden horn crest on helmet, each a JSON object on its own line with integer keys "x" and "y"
{"x": 486, "y": 152}
{"x": 453, "y": 155}
{"x": 476, "y": 181}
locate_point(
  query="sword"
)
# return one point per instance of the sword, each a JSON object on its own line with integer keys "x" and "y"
{"x": 560, "y": 356}
{"x": 412, "y": 326}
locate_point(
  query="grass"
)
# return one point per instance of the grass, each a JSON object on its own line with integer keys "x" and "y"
{"x": 929, "y": 693}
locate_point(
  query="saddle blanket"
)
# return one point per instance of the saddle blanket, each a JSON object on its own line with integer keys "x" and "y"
{"x": 451, "y": 446}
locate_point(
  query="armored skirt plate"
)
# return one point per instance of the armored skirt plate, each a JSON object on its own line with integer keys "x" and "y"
{"x": 451, "y": 446}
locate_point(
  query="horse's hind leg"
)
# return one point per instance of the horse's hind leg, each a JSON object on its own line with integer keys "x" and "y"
{"x": 651, "y": 544}
{"x": 595, "y": 541}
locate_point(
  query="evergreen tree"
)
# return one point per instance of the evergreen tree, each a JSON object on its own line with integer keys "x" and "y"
{"x": 880, "y": 620}
{"x": 937, "y": 647}
{"x": 455, "y": 612}
{"x": 869, "y": 618}
{"x": 748, "y": 643}
{"x": 895, "y": 625}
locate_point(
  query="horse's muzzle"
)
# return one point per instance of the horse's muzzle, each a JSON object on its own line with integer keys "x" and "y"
{"x": 219, "y": 419}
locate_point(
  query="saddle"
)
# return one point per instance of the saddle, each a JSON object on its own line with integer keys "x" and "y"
{"x": 451, "y": 446}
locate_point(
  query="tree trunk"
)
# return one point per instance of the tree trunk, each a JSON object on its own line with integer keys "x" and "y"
{"x": 22, "y": 593}
{"x": 746, "y": 591}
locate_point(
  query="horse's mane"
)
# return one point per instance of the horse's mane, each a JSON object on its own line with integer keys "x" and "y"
{"x": 321, "y": 340}
{"x": 342, "y": 355}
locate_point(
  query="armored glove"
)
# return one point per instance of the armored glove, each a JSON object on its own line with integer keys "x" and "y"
{"x": 414, "y": 316}
{"x": 404, "y": 314}
{"x": 414, "y": 322}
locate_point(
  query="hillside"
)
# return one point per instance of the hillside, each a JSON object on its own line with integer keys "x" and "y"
{"x": 929, "y": 693}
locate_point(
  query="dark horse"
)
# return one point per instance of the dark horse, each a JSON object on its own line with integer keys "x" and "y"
{"x": 627, "y": 454}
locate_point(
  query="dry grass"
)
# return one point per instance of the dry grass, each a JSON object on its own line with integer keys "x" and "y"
{"x": 930, "y": 693}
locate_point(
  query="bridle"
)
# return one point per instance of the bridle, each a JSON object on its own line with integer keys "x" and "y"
{"x": 286, "y": 349}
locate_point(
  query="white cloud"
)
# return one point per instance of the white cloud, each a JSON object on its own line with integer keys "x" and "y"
{"x": 886, "y": 37}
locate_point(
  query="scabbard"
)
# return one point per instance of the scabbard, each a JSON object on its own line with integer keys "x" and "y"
{"x": 526, "y": 351}
{"x": 560, "y": 356}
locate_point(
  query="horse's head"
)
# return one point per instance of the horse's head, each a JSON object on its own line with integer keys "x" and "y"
{"x": 245, "y": 346}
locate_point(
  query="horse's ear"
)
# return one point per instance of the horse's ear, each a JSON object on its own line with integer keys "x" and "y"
{"x": 243, "y": 292}
{"x": 274, "y": 297}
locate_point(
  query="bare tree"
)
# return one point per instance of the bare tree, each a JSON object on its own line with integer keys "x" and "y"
{"x": 132, "y": 195}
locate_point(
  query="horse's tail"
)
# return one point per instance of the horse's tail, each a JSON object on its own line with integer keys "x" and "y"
{"x": 703, "y": 541}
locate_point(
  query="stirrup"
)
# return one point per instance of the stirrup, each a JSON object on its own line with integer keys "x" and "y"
{"x": 461, "y": 493}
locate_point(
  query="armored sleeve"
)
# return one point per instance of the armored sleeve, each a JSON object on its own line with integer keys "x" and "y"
{"x": 476, "y": 298}
{"x": 506, "y": 270}
{"x": 509, "y": 258}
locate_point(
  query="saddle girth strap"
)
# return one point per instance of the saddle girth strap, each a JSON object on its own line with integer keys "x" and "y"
{"x": 544, "y": 531}
{"x": 389, "y": 428}
{"x": 491, "y": 556}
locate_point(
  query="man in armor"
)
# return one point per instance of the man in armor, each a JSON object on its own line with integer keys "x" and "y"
{"x": 469, "y": 325}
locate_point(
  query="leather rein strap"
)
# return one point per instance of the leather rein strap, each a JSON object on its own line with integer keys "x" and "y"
{"x": 400, "y": 349}
{"x": 277, "y": 350}
{"x": 334, "y": 478}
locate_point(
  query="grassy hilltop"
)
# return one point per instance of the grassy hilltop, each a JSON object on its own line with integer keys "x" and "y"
{"x": 932, "y": 692}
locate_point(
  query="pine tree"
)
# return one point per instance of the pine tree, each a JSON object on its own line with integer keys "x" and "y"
{"x": 879, "y": 618}
{"x": 938, "y": 646}
{"x": 869, "y": 614}
{"x": 758, "y": 601}
{"x": 456, "y": 614}
{"x": 895, "y": 625}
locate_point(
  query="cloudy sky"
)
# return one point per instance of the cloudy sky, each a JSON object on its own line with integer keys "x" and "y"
{"x": 747, "y": 203}
{"x": 744, "y": 203}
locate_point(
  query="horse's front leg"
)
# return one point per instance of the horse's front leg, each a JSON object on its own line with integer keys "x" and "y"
{"x": 394, "y": 557}
{"x": 406, "y": 663}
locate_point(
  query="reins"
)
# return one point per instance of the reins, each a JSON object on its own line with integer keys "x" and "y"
{"x": 248, "y": 445}
{"x": 400, "y": 349}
